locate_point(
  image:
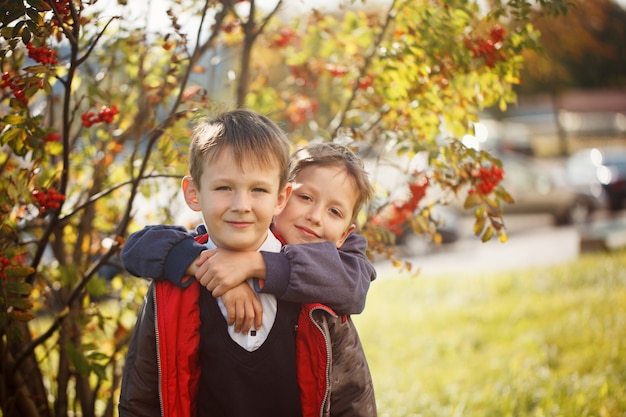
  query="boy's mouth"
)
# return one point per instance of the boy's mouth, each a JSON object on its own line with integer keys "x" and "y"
{"x": 308, "y": 232}
{"x": 239, "y": 225}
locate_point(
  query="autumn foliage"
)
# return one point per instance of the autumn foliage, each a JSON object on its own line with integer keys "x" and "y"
{"x": 94, "y": 116}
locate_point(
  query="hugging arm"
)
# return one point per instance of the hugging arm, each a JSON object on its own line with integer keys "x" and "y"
{"x": 305, "y": 273}
{"x": 161, "y": 253}
{"x": 319, "y": 272}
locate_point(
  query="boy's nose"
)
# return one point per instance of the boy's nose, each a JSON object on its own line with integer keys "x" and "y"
{"x": 240, "y": 202}
{"x": 314, "y": 215}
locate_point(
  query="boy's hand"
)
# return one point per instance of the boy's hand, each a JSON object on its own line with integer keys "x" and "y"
{"x": 243, "y": 308}
{"x": 220, "y": 270}
{"x": 192, "y": 269}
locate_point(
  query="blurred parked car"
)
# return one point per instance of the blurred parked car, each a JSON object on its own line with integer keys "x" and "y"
{"x": 540, "y": 187}
{"x": 537, "y": 187}
{"x": 601, "y": 170}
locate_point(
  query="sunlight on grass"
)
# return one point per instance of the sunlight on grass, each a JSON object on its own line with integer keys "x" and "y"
{"x": 540, "y": 342}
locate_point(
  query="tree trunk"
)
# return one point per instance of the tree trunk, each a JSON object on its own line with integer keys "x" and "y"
{"x": 25, "y": 394}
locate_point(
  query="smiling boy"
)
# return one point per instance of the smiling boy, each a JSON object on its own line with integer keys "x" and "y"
{"x": 238, "y": 167}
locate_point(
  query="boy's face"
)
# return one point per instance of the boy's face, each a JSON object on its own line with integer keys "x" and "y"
{"x": 237, "y": 204}
{"x": 320, "y": 207}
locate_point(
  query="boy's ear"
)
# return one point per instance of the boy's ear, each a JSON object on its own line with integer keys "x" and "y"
{"x": 283, "y": 197}
{"x": 345, "y": 235}
{"x": 191, "y": 193}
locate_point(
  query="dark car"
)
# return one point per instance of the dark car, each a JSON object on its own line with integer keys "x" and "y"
{"x": 602, "y": 170}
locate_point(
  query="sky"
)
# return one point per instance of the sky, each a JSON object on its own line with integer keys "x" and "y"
{"x": 154, "y": 11}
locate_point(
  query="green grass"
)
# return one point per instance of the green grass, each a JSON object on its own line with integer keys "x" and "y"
{"x": 538, "y": 342}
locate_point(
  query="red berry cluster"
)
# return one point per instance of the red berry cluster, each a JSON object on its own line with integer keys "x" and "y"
{"x": 489, "y": 49}
{"x": 41, "y": 54}
{"x": 337, "y": 70}
{"x": 14, "y": 83}
{"x": 62, "y": 8}
{"x": 52, "y": 137}
{"x": 365, "y": 82}
{"x": 230, "y": 27}
{"x": 301, "y": 109}
{"x": 4, "y": 262}
{"x": 394, "y": 216}
{"x": 487, "y": 179}
{"x": 19, "y": 86}
{"x": 47, "y": 200}
{"x": 106, "y": 115}
{"x": 304, "y": 75}
{"x": 283, "y": 38}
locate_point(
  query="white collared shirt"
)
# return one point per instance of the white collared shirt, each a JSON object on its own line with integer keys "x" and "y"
{"x": 254, "y": 339}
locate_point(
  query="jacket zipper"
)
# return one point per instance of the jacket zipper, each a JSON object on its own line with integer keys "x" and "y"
{"x": 328, "y": 358}
{"x": 158, "y": 352}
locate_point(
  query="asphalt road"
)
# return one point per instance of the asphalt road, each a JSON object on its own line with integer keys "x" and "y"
{"x": 533, "y": 242}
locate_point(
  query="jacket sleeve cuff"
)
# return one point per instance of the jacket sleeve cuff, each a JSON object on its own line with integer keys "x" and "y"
{"x": 178, "y": 260}
{"x": 277, "y": 271}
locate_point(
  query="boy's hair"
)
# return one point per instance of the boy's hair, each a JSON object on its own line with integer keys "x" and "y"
{"x": 334, "y": 154}
{"x": 250, "y": 136}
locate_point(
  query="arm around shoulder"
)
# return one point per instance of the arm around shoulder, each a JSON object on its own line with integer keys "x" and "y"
{"x": 160, "y": 253}
{"x": 319, "y": 272}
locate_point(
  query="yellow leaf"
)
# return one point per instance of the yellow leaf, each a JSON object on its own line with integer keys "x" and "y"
{"x": 479, "y": 225}
{"x": 471, "y": 200}
{"x": 488, "y": 234}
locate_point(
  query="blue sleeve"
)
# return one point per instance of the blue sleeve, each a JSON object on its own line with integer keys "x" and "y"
{"x": 319, "y": 273}
{"x": 161, "y": 253}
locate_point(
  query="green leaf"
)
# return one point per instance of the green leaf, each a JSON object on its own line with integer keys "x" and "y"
{"x": 35, "y": 16}
{"x": 13, "y": 13}
{"x": 97, "y": 356}
{"x": 36, "y": 69}
{"x": 75, "y": 355}
{"x": 20, "y": 315}
{"x": 20, "y": 303}
{"x": 99, "y": 370}
{"x": 39, "y": 5}
{"x": 26, "y": 35}
{"x": 21, "y": 288}
{"x": 17, "y": 28}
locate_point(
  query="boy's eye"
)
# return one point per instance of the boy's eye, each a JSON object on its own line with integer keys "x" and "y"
{"x": 305, "y": 197}
{"x": 259, "y": 190}
{"x": 336, "y": 212}
{"x": 222, "y": 188}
